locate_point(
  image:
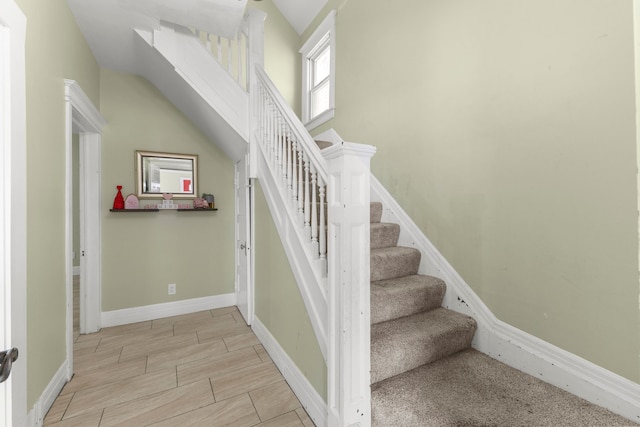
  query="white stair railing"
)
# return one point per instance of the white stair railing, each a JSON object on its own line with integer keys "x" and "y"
{"x": 232, "y": 54}
{"x": 326, "y": 196}
{"x": 296, "y": 163}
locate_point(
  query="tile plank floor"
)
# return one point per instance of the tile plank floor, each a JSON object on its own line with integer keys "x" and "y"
{"x": 200, "y": 369}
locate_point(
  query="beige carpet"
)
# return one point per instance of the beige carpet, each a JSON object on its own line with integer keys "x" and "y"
{"x": 471, "y": 389}
{"x": 423, "y": 370}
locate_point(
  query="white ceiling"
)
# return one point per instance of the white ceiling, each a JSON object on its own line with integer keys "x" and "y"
{"x": 300, "y": 13}
{"x": 108, "y": 25}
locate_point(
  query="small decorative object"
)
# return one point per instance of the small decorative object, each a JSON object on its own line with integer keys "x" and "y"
{"x": 200, "y": 204}
{"x": 131, "y": 202}
{"x": 209, "y": 199}
{"x": 167, "y": 202}
{"x": 118, "y": 202}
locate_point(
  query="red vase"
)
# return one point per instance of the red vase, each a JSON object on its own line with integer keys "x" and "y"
{"x": 118, "y": 202}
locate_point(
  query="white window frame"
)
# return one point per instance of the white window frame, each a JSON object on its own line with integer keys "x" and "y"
{"x": 309, "y": 52}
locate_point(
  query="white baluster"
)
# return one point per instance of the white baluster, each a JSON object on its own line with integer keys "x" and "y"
{"x": 279, "y": 148}
{"x": 323, "y": 230}
{"x": 209, "y": 42}
{"x": 272, "y": 136}
{"x": 307, "y": 201}
{"x": 261, "y": 114}
{"x": 219, "y": 54}
{"x": 229, "y": 49}
{"x": 239, "y": 61}
{"x": 294, "y": 175}
{"x": 289, "y": 164}
{"x": 314, "y": 207}
{"x": 300, "y": 182}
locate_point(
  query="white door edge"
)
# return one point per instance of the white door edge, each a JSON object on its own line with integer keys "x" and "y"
{"x": 243, "y": 236}
{"x": 13, "y": 210}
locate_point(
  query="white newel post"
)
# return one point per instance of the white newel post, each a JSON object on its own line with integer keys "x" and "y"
{"x": 255, "y": 22}
{"x": 348, "y": 361}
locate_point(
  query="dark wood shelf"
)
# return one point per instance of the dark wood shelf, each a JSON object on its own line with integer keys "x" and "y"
{"x": 134, "y": 210}
{"x": 158, "y": 210}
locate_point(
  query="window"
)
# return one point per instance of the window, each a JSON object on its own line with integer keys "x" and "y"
{"x": 318, "y": 74}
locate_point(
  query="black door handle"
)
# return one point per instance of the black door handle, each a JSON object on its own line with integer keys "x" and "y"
{"x": 6, "y": 361}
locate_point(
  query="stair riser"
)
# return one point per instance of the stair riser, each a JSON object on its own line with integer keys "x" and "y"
{"x": 376, "y": 212}
{"x": 390, "y": 265}
{"x": 394, "y": 300}
{"x": 394, "y": 355}
{"x": 384, "y": 235}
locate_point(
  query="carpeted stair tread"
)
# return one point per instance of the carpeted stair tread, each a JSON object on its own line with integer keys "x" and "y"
{"x": 389, "y": 263}
{"x": 404, "y": 296}
{"x": 384, "y": 235}
{"x": 323, "y": 144}
{"x": 403, "y": 344}
{"x": 376, "y": 212}
{"x": 471, "y": 389}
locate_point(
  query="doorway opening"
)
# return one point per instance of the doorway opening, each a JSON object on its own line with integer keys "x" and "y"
{"x": 85, "y": 120}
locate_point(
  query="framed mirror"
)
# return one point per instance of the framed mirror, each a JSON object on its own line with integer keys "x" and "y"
{"x": 158, "y": 173}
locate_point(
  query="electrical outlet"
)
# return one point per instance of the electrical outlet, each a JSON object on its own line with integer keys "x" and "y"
{"x": 172, "y": 289}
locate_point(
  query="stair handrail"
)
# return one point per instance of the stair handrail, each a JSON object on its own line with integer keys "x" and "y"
{"x": 293, "y": 122}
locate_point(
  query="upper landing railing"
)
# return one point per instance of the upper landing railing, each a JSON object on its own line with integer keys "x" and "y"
{"x": 232, "y": 54}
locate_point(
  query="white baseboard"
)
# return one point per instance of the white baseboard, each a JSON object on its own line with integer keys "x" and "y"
{"x": 312, "y": 402}
{"x": 167, "y": 309}
{"x": 35, "y": 417}
{"x": 565, "y": 370}
{"x": 503, "y": 342}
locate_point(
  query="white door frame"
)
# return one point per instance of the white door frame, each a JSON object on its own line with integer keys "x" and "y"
{"x": 243, "y": 190}
{"x": 84, "y": 118}
{"x": 13, "y": 211}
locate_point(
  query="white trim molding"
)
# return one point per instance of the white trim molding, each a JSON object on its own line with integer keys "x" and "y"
{"x": 505, "y": 343}
{"x": 36, "y": 415}
{"x": 83, "y": 117}
{"x": 323, "y": 35}
{"x": 312, "y": 402}
{"x": 167, "y": 309}
{"x": 13, "y": 210}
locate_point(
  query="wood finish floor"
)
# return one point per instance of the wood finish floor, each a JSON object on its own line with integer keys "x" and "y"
{"x": 200, "y": 369}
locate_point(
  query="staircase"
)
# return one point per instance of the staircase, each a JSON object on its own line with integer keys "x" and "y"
{"x": 409, "y": 328}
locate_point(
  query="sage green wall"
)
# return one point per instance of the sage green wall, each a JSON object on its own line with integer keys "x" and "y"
{"x": 506, "y": 131}
{"x": 144, "y": 252}
{"x": 281, "y": 58}
{"x": 278, "y": 304}
{"x": 55, "y": 50}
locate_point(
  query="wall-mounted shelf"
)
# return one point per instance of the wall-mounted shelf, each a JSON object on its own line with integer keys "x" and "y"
{"x": 134, "y": 210}
{"x": 158, "y": 210}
